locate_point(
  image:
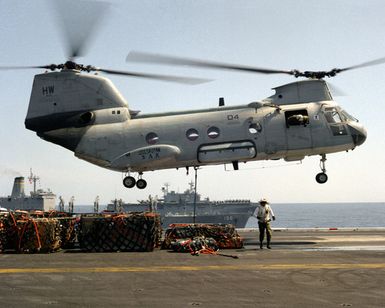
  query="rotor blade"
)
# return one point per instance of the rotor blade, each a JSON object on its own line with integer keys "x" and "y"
{"x": 79, "y": 20}
{"x": 144, "y": 57}
{"x": 51, "y": 66}
{"x": 178, "y": 79}
{"x": 365, "y": 64}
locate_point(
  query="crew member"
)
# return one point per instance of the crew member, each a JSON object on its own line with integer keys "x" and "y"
{"x": 264, "y": 214}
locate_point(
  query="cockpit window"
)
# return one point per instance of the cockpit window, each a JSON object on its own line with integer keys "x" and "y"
{"x": 332, "y": 115}
{"x": 347, "y": 116}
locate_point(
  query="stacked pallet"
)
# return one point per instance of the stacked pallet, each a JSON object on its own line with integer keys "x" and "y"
{"x": 119, "y": 232}
{"x": 225, "y": 236}
{"x": 39, "y": 235}
{"x": 22, "y": 232}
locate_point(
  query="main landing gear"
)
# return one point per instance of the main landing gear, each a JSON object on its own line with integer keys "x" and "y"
{"x": 130, "y": 182}
{"x": 322, "y": 177}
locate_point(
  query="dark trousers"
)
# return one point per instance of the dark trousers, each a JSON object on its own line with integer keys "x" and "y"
{"x": 264, "y": 227}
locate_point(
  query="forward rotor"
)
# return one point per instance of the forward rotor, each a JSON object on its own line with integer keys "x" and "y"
{"x": 144, "y": 57}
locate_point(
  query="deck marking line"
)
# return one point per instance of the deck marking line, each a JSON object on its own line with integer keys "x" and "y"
{"x": 313, "y": 266}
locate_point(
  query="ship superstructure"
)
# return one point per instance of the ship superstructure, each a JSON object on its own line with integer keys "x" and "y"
{"x": 177, "y": 207}
{"x": 38, "y": 199}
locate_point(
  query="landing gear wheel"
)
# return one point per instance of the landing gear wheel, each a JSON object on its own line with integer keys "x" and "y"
{"x": 321, "y": 178}
{"x": 129, "y": 182}
{"x": 141, "y": 184}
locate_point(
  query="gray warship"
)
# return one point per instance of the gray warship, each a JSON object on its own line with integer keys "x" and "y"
{"x": 177, "y": 207}
{"x": 38, "y": 199}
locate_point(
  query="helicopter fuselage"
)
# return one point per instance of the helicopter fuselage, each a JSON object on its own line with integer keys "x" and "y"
{"x": 217, "y": 136}
{"x": 87, "y": 115}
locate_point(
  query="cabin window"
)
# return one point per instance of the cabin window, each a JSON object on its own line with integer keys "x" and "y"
{"x": 297, "y": 117}
{"x": 213, "y": 132}
{"x": 255, "y": 128}
{"x": 192, "y": 134}
{"x": 152, "y": 138}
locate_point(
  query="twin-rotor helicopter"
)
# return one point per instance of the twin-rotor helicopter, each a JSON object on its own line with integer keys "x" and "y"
{"x": 86, "y": 114}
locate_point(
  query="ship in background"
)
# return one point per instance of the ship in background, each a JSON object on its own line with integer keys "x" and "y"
{"x": 177, "y": 207}
{"x": 38, "y": 199}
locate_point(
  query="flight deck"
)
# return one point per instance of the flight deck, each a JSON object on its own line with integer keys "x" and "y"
{"x": 305, "y": 267}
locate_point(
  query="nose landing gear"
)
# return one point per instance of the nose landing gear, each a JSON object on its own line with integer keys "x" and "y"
{"x": 322, "y": 177}
{"x": 129, "y": 181}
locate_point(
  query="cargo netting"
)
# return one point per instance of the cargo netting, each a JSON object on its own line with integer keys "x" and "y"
{"x": 120, "y": 232}
{"x": 24, "y": 233}
{"x": 224, "y": 235}
{"x": 3, "y": 232}
{"x": 44, "y": 232}
{"x": 195, "y": 245}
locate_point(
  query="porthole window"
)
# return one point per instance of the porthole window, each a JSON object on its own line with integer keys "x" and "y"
{"x": 192, "y": 134}
{"x": 213, "y": 132}
{"x": 255, "y": 128}
{"x": 152, "y": 138}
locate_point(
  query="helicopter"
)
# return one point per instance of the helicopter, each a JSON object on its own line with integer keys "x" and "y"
{"x": 86, "y": 114}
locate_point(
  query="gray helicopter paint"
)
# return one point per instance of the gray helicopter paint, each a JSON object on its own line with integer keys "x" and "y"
{"x": 70, "y": 95}
{"x": 270, "y": 143}
{"x": 89, "y": 116}
{"x": 305, "y": 91}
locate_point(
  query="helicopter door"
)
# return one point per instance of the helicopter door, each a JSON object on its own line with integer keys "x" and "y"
{"x": 275, "y": 134}
{"x": 298, "y": 129}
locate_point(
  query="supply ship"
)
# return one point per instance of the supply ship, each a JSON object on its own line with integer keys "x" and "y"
{"x": 38, "y": 199}
{"x": 177, "y": 207}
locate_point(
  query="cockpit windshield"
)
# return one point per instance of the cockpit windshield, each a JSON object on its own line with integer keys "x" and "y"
{"x": 334, "y": 115}
{"x": 347, "y": 116}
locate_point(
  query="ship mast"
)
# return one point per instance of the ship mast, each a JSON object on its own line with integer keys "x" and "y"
{"x": 33, "y": 179}
{"x": 165, "y": 189}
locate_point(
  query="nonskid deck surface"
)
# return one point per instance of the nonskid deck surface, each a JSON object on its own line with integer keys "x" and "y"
{"x": 318, "y": 268}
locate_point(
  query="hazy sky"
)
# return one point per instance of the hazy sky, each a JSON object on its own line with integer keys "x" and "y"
{"x": 306, "y": 35}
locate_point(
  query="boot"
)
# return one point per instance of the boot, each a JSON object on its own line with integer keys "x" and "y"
{"x": 268, "y": 245}
{"x": 260, "y": 245}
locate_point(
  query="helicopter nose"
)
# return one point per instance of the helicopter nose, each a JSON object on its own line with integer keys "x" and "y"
{"x": 358, "y": 133}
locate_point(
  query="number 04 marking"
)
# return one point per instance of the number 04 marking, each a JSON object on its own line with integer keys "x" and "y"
{"x": 231, "y": 117}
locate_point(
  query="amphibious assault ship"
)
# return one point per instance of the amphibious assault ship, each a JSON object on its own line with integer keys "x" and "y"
{"x": 38, "y": 199}
{"x": 188, "y": 207}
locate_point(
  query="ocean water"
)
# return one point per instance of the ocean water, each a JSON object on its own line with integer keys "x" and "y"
{"x": 326, "y": 215}
{"x": 312, "y": 215}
